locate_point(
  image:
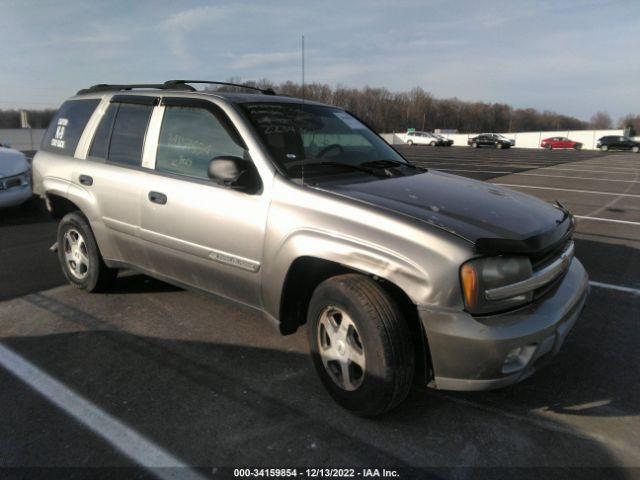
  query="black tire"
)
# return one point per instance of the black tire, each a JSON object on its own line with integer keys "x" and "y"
{"x": 410, "y": 142}
{"x": 384, "y": 337}
{"x": 433, "y": 144}
{"x": 499, "y": 145}
{"x": 635, "y": 149}
{"x": 577, "y": 146}
{"x": 548, "y": 147}
{"x": 97, "y": 276}
{"x": 474, "y": 145}
{"x": 604, "y": 148}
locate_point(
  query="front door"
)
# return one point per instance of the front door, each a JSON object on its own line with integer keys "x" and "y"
{"x": 197, "y": 232}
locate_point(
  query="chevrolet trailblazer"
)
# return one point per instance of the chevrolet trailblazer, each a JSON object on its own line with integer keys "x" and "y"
{"x": 300, "y": 211}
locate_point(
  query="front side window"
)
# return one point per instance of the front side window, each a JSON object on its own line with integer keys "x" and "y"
{"x": 189, "y": 139}
{"x": 67, "y": 125}
{"x": 298, "y": 135}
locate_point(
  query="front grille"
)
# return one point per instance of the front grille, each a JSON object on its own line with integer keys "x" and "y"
{"x": 11, "y": 182}
{"x": 538, "y": 262}
{"x": 541, "y": 261}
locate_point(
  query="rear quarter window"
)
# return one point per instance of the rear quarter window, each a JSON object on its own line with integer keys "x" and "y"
{"x": 67, "y": 125}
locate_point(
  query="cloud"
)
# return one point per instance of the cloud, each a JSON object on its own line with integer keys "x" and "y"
{"x": 254, "y": 60}
{"x": 180, "y": 25}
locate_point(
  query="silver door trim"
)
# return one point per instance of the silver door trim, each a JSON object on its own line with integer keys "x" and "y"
{"x": 152, "y": 138}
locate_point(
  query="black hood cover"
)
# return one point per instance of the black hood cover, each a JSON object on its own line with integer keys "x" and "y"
{"x": 495, "y": 219}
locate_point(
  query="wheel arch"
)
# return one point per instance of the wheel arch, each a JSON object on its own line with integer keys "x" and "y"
{"x": 307, "y": 272}
{"x": 59, "y": 205}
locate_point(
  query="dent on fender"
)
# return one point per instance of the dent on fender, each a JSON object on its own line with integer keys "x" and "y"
{"x": 366, "y": 258}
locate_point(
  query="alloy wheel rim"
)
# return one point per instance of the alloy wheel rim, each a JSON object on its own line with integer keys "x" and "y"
{"x": 341, "y": 348}
{"x": 76, "y": 254}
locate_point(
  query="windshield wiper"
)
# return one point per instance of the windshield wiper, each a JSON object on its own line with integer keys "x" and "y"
{"x": 349, "y": 166}
{"x": 389, "y": 164}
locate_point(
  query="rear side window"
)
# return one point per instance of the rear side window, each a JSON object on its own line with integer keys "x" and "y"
{"x": 66, "y": 128}
{"x": 189, "y": 139}
{"x": 124, "y": 143}
{"x": 100, "y": 146}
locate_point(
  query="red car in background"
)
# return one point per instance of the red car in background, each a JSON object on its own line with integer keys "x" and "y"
{"x": 560, "y": 142}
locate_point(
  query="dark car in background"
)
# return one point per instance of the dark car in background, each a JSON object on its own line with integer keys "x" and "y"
{"x": 494, "y": 140}
{"x": 618, "y": 142}
{"x": 560, "y": 142}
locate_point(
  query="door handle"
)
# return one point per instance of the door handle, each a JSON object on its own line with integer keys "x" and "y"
{"x": 86, "y": 180}
{"x": 157, "y": 197}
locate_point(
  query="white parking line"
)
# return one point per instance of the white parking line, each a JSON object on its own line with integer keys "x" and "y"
{"x": 126, "y": 440}
{"x": 608, "y": 286}
{"x": 570, "y": 190}
{"x": 599, "y": 219}
{"x": 580, "y": 170}
{"x": 576, "y": 178}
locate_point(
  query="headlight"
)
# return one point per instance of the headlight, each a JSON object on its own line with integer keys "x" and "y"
{"x": 482, "y": 274}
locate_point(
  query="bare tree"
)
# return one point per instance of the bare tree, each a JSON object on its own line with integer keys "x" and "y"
{"x": 601, "y": 121}
{"x": 632, "y": 122}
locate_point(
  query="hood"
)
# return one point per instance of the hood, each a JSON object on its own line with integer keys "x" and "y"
{"x": 12, "y": 162}
{"x": 494, "y": 218}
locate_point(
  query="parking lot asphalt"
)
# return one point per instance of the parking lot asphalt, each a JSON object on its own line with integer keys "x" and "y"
{"x": 149, "y": 373}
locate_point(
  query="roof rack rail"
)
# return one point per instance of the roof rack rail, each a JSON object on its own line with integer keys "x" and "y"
{"x": 106, "y": 87}
{"x": 168, "y": 85}
{"x": 177, "y": 83}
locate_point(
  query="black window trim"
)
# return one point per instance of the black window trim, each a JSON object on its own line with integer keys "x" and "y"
{"x": 218, "y": 113}
{"x": 136, "y": 99}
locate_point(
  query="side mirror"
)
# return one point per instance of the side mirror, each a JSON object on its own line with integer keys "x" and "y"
{"x": 233, "y": 172}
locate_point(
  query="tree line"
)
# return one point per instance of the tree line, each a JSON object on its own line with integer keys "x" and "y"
{"x": 388, "y": 111}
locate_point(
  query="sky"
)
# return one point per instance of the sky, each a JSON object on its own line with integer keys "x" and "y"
{"x": 573, "y": 57}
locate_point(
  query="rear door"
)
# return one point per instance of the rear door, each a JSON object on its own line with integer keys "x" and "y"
{"x": 198, "y": 232}
{"x": 113, "y": 176}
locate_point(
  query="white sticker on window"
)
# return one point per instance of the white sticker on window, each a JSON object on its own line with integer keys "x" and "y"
{"x": 58, "y": 138}
{"x": 349, "y": 120}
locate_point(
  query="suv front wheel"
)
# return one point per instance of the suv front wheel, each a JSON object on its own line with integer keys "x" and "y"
{"x": 360, "y": 344}
{"x": 79, "y": 255}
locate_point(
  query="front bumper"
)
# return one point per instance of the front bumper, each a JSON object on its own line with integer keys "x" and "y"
{"x": 15, "y": 196}
{"x": 470, "y": 353}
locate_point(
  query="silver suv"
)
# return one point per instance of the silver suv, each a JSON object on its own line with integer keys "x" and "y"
{"x": 403, "y": 276}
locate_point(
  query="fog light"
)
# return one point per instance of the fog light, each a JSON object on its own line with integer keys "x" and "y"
{"x": 518, "y": 358}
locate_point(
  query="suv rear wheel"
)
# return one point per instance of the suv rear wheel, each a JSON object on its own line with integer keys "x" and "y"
{"x": 604, "y": 148}
{"x": 79, "y": 256}
{"x": 360, "y": 344}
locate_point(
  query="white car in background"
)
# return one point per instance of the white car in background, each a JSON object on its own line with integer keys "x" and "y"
{"x": 15, "y": 178}
{"x": 426, "y": 138}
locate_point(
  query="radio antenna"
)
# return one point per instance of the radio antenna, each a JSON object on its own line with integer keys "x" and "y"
{"x": 302, "y": 107}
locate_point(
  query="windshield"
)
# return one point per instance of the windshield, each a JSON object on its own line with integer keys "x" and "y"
{"x": 297, "y": 134}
